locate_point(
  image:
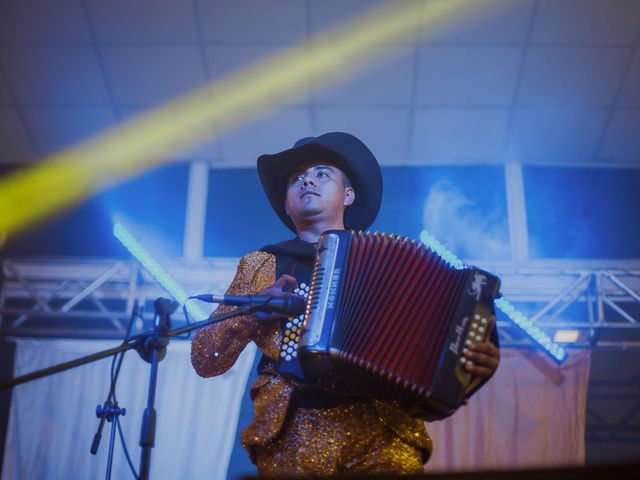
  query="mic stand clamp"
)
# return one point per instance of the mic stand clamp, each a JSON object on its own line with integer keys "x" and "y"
{"x": 109, "y": 412}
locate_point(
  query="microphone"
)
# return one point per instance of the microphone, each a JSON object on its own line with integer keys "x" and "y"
{"x": 289, "y": 305}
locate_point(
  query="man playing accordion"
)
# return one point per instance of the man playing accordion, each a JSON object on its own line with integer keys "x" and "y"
{"x": 330, "y": 182}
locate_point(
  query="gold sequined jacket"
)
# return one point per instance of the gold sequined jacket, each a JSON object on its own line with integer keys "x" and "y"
{"x": 216, "y": 348}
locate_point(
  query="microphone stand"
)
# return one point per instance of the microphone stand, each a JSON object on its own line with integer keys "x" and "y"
{"x": 152, "y": 348}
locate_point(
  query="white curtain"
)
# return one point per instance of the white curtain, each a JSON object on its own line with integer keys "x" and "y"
{"x": 530, "y": 414}
{"x": 52, "y": 420}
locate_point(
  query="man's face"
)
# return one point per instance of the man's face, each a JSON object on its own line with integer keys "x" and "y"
{"x": 318, "y": 193}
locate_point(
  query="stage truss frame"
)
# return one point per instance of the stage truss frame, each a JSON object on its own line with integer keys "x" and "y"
{"x": 94, "y": 297}
{"x": 67, "y": 297}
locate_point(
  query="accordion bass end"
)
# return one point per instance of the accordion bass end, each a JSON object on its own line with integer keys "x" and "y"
{"x": 389, "y": 319}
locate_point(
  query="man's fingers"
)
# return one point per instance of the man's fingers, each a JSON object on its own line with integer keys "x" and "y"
{"x": 477, "y": 371}
{"x": 487, "y": 348}
{"x": 277, "y": 288}
{"x": 286, "y": 281}
{"x": 482, "y": 360}
{"x": 281, "y": 287}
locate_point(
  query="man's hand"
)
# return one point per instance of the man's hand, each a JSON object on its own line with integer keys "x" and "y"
{"x": 484, "y": 359}
{"x": 280, "y": 288}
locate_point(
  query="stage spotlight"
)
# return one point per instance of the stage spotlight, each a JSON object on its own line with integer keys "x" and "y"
{"x": 159, "y": 273}
{"x": 566, "y": 336}
{"x": 557, "y": 353}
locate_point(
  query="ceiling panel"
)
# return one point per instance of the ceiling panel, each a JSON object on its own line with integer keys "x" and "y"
{"x": 16, "y": 146}
{"x": 489, "y": 23}
{"x": 572, "y": 76}
{"x": 143, "y": 21}
{"x": 56, "y": 128}
{"x": 388, "y": 82}
{"x": 630, "y": 93}
{"x": 461, "y": 134}
{"x": 561, "y": 134}
{"x": 54, "y": 76}
{"x": 544, "y": 72}
{"x": 42, "y": 21}
{"x": 623, "y": 137}
{"x": 149, "y": 75}
{"x": 251, "y": 22}
{"x": 468, "y": 75}
{"x": 270, "y": 133}
{"x": 367, "y": 124}
{"x": 587, "y": 21}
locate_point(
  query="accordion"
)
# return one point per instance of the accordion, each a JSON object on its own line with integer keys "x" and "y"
{"x": 388, "y": 318}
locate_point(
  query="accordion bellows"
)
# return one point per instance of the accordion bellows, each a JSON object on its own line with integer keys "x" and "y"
{"x": 388, "y": 318}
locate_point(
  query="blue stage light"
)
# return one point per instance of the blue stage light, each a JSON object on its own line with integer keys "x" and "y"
{"x": 159, "y": 273}
{"x": 446, "y": 254}
{"x": 555, "y": 351}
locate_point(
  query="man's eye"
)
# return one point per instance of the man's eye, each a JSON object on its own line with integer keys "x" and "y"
{"x": 323, "y": 174}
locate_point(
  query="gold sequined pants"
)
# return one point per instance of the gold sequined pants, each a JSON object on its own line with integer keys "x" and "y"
{"x": 344, "y": 439}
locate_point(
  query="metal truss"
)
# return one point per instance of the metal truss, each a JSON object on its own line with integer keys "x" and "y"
{"x": 91, "y": 298}
{"x": 71, "y": 297}
{"x": 599, "y": 300}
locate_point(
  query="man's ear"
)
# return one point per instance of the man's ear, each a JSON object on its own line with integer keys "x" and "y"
{"x": 349, "y": 196}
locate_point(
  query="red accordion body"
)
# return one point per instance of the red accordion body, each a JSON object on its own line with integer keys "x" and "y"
{"x": 388, "y": 318}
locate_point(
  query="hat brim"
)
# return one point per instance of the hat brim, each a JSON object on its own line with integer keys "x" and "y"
{"x": 344, "y": 151}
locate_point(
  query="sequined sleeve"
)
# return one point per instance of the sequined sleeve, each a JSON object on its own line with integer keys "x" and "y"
{"x": 216, "y": 348}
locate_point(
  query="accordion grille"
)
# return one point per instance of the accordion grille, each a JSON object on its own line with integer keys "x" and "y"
{"x": 396, "y": 308}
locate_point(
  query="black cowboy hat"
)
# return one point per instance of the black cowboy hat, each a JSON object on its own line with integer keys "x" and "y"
{"x": 336, "y": 148}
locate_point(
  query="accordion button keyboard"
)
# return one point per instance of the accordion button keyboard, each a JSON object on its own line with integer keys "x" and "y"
{"x": 291, "y": 337}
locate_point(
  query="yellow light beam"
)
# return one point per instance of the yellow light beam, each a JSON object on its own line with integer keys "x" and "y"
{"x": 66, "y": 177}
